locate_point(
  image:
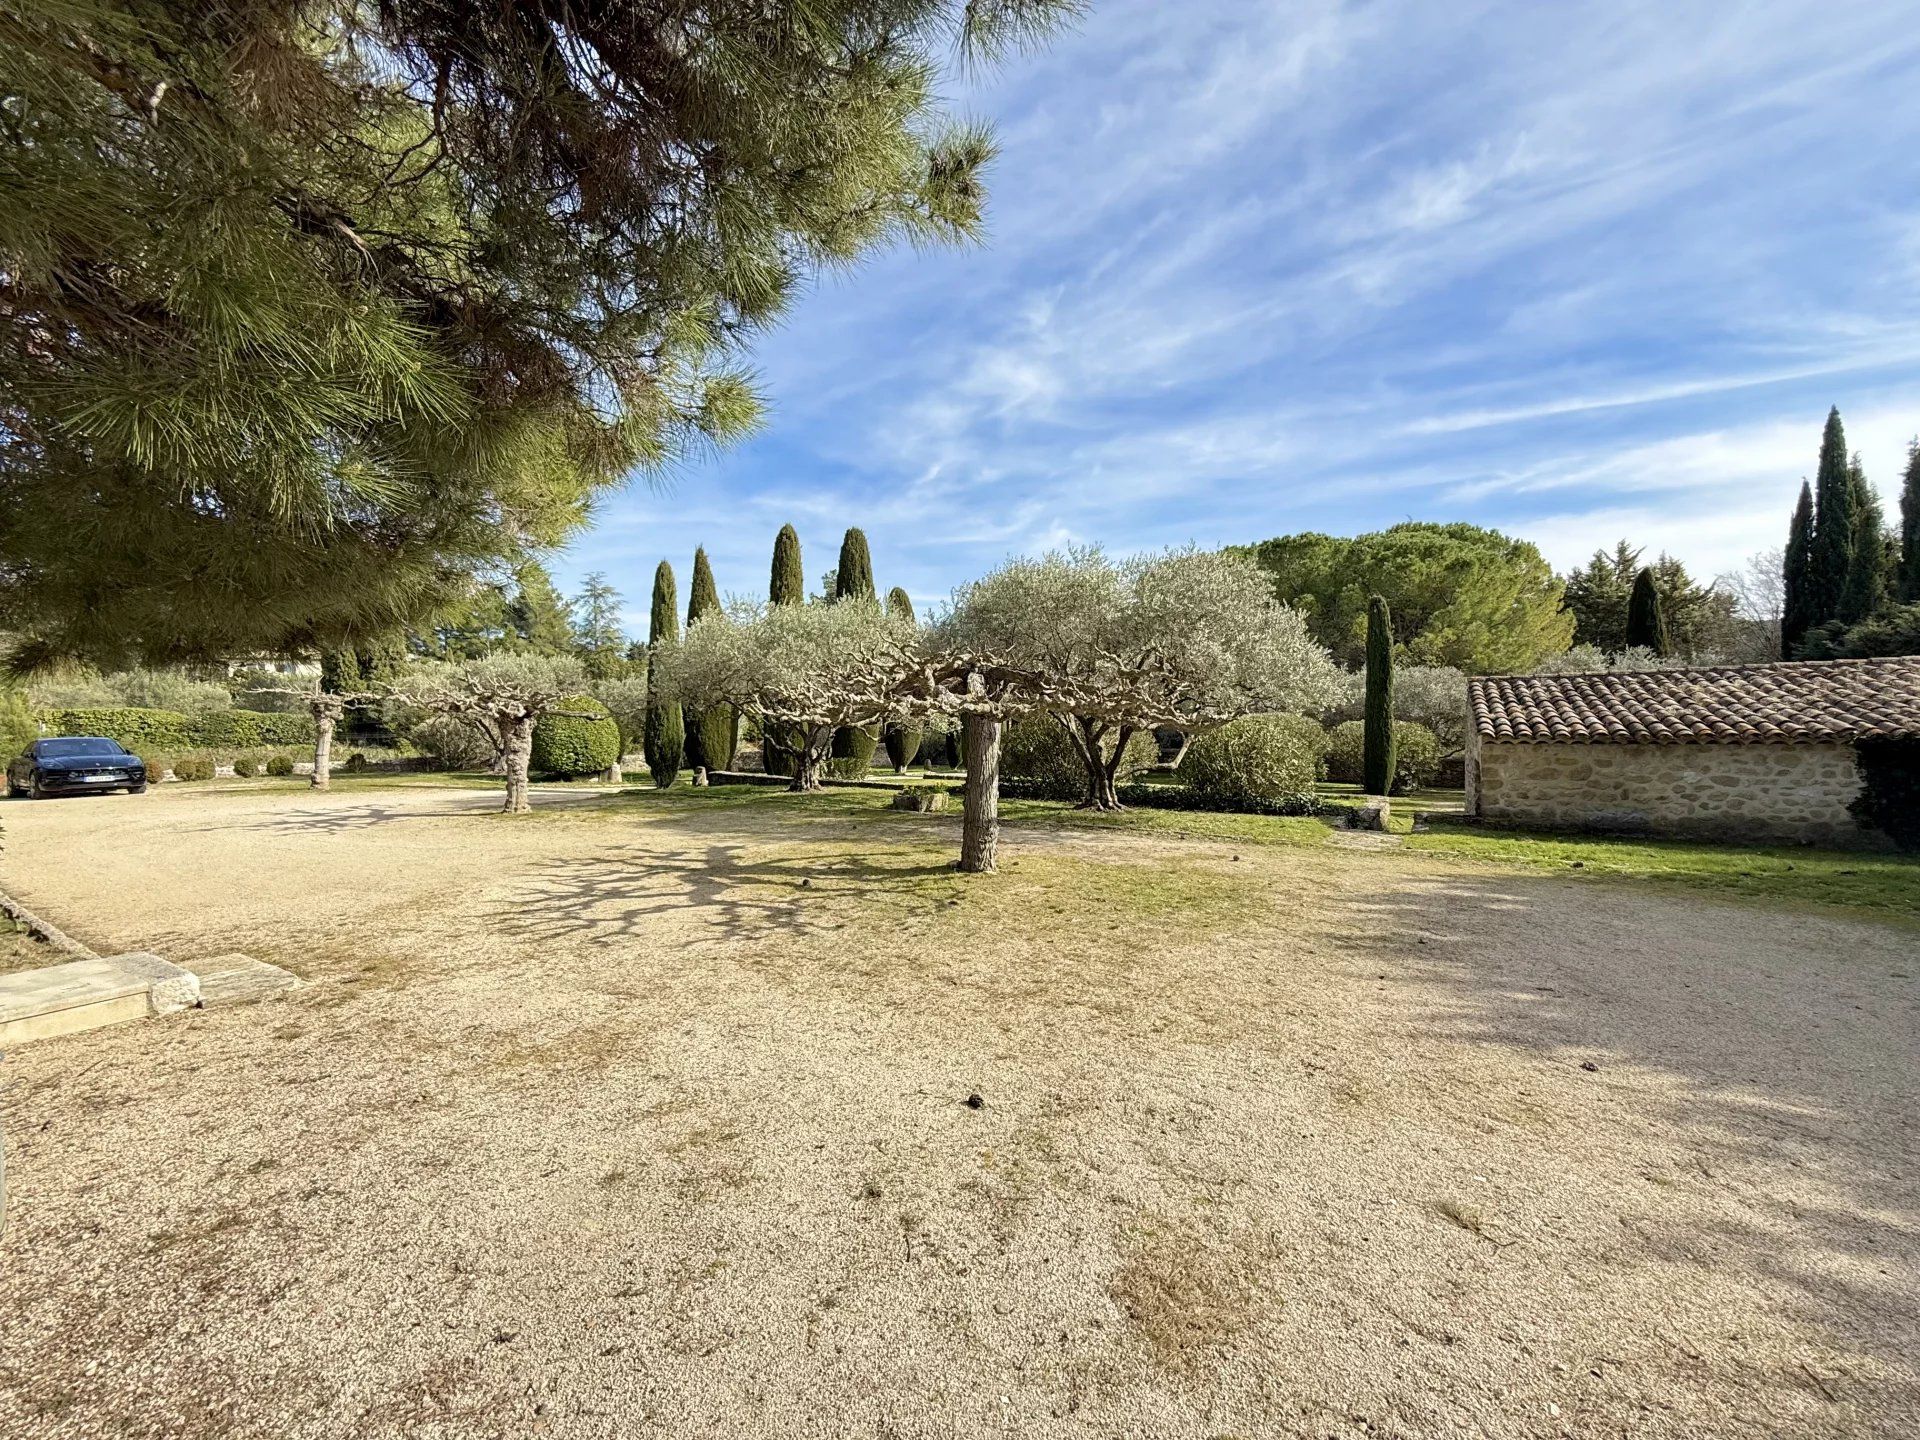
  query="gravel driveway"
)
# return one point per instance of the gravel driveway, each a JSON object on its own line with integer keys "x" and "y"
{"x": 632, "y": 1119}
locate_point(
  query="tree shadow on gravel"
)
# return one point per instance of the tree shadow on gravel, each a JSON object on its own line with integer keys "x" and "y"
{"x": 307, "y": 821}
{"x": 726, "y": 889}
{"x": 1771, "y": 1055}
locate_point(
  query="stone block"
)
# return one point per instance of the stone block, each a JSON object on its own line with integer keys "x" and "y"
{"x": 236, "y": 979}
{"x": 85, "y": 994}
{"x": 170, "y": 989}
{"x": 1370, "y": 814}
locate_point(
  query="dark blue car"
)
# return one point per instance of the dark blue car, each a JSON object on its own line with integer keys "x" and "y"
{"x": 72, "y": 764}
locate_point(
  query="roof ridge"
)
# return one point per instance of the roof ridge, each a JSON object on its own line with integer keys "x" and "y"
{"x": 1744, "y": 665}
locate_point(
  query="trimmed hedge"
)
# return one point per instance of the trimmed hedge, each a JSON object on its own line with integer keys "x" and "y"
{"x": 1260, "y": 759}
{"x": 1183, "y": 797}
{"x": 137, "y": 729}
{"x": 568, "y": 745}
{"x": 276, "y": 727}
{"x": 279, "y": 765}
{"x": 1176, "y": 797}
{"x": 846, "y": 767}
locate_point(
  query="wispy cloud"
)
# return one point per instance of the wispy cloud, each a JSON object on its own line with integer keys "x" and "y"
{"x": 1580, "y": 272}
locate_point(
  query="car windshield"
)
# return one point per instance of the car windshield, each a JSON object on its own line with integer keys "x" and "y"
{"x": 77, "y": 749}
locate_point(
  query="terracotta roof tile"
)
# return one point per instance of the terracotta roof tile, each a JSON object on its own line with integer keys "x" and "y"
{"x": 1798, "y": 702}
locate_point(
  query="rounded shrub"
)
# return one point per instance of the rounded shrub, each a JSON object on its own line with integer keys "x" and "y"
{"x": 1268, "y": 758}
{"x": 1416, "y": 754}
{"x": 193, "y": 767}
{"x": 244, "y": 768}
{"x": 279, "y": 765}
{"x": 356, "y": 762}
{"x": 1037, "y": 751}
{"x": 845, "y": 767}
{"x": 570, "y": 745}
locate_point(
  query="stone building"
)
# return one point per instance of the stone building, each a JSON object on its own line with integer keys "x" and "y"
{"x": 1739, "y": 751}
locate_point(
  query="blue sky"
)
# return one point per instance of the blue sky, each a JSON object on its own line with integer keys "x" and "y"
{"x": 1576, "y": 270}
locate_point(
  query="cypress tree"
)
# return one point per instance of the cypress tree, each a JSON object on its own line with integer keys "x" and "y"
{"x": 1377, "y": 757}
{"x": 1796, "y": 615}
{"x": 1864, "y": 592}
{"x": 853, "y": 579}
{"x": 854, "y": 575}
{"x": 902, "y": 741}
{"x": 1906, "y": 586}
{"x": 712, "y": 735}
{"x": 664, "y": 737}
{"x": 788, "y": 586}
{"x": 1646, "y": 617}
{"x": 1833, "y": 524}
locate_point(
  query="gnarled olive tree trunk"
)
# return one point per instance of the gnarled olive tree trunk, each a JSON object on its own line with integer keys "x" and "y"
{"x": 518, "y": 730}
{"x": 807, "y": 758}
{"x": 980, "y": 823}
{"x": 1103, "y": 770}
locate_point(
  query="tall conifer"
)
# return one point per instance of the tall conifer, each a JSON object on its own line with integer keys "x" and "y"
{"x": 712, "y": 735}
{"x": 1646, "y": 617}
{"x": 1832, "y": 554}
{"x": 1864, "y": 591}
{"x": 902, "y": 741}
{"x": 789, "y": 582}
{"x": 853, "y": 579}
{"x": 1907, "y": 577}
{"x": 779, "y": 747}
{"x": 664, "y": 738}
{"x": 1377, "y": 755}
{"x": 1796, "y": 611}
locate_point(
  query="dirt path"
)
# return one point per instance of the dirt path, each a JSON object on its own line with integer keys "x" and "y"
{"x": 613, "y": 1122}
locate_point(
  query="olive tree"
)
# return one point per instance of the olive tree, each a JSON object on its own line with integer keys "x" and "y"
{"x": 803, "y": 670}
{"x": 982, "y": 694}
{"x": 504, "y": 695}
{"x": 1186, "y": 639}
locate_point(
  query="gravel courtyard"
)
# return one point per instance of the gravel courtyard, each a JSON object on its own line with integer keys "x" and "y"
{"x": 649, "y": 1116}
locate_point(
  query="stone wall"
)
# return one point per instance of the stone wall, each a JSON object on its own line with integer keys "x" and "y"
{"x": 1782, "y": 792}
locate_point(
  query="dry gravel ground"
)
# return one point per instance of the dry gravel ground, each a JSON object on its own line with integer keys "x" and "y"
{"x": 630, "y": 1119}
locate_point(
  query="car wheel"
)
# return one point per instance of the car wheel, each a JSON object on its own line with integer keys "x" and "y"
{"x": 34, "y": 792}
{"x": 139, "y": 789}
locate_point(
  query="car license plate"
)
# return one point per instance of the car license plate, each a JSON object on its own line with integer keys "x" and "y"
{"x": 98, "y": 779}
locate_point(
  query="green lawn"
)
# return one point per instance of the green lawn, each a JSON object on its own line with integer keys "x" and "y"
{"x": 1861, "y": 880}
{"x": 1882, "y": 884}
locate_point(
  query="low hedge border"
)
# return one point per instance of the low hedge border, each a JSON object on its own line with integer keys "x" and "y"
{"x": 139, "y": 730}
{"x": 1181, "y": 797}
{"x": 1173, "y": 797}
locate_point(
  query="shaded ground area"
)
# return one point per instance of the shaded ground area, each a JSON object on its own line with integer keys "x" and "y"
{"x": 19, "y": 950}
{"x": 648, "y": 1116}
